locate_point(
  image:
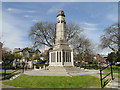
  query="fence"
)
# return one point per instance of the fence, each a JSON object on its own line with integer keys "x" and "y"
{"x": 19, "y": 68}
{"x": 102, "y": 79}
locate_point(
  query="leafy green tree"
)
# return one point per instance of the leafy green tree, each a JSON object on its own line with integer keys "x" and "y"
{"x": 118, "y": 54}
{"x": 89, "y": 58}
{"x": 78, "y": 57}
{"x": 112, "y": 57}
{"x": 16, "y": 56}
{"x": 7, "y": 55}
{"x": 7, "y": 58}
{"x": 36, "y": 58}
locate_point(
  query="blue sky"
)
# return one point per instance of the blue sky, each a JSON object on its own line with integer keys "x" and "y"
{"x": 17, "y": 18}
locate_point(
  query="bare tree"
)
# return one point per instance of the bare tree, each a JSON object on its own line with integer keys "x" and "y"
{"x": 83, "y": 49}
{"x": 110, "y": 38}
{"x": 43, "y": 33}
{"x": 81, "y": 44}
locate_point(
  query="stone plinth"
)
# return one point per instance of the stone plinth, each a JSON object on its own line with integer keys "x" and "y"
{"x": 61, "y": 58}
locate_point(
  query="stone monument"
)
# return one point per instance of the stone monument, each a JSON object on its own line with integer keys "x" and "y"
{"x": 61, "y": 55}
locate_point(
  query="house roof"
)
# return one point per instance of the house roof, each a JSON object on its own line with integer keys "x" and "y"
{"x": 45, "y": 52}
{"x": 30, "y": 50}
{"x": 102, "y": 55}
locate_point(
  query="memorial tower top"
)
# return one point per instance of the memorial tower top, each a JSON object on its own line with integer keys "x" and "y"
{"x": 60, "y": 41}
{"x": 61, "y": 13}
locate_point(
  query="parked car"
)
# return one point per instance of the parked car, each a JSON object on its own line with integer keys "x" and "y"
{"x": 39, "y": 62}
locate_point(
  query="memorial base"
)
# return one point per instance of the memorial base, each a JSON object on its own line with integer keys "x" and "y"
{"x": 61, "y": 58}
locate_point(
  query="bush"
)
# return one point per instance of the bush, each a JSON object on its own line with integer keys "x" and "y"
{"x": 91, "y": 66}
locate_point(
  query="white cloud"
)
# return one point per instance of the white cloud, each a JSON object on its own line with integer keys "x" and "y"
{"x": 90, "y": 29}
{"x": 89, "y": 24}
{"x": 31, "y": 11}
{"x": 34, "y": 20}
{"x": 13, "y": 37}
{"x": 10, "y": 9}
{"x": 20, "y": 11}
{"x": 27, "y": 16}
{"x": 112, "y": 17}
{"x": 105, "y": 51}
{"x": 13, "y": 10}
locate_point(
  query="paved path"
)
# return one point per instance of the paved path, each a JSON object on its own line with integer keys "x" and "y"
{"x": 47, "y": 73}
{"x": 112, "y": 84}
{"x": 5, "y": 86}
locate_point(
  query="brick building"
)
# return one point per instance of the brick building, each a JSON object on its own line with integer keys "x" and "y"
{"x": 101, "y": 58}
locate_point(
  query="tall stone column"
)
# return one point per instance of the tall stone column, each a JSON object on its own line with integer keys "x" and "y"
{"x": 61, "y": 44}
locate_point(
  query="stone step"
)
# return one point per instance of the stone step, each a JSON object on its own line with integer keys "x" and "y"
{"x": 73, "y": 69}
{"x": 67, "y": 69}
{"x": 57, "y": 69}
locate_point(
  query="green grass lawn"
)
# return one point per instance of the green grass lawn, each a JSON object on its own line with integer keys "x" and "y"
{"x": 116, "y": 72}
{"x": 84, "y": 81}
{"x": 117, "y": 76}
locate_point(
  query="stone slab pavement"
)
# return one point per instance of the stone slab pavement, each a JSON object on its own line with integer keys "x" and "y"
{"x": 45, "y": 73}
{"x": 115, "y": 84}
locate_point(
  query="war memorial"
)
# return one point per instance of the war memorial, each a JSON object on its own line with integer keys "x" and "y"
{"x": 59, "y": 69}
{"x": 61, "y": 57}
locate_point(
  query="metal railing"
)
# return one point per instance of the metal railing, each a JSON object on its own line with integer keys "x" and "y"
{"x": 103, "y": 80}
{"x": 17, "y": 69}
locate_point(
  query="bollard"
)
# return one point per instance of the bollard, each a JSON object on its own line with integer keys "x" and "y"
{"x": 34, "y": 67}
